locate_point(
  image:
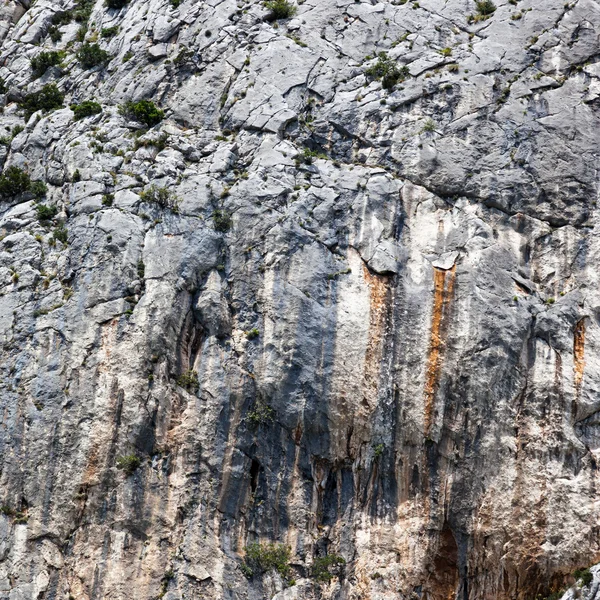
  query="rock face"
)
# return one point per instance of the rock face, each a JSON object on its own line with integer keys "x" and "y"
{"x": 337, "y": 300}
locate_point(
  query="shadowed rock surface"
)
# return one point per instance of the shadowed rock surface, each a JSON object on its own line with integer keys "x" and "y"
{"x": 305, "y": 307}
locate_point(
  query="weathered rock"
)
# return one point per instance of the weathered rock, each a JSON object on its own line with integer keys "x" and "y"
{"x": 358, "y": 321}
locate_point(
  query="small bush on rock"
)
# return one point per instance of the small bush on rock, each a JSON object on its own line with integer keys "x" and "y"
{"x": 38, "y": 188}
{"x": 47, "y": 99}
{"x": 189, "y": 381}
{"x": 261, "y": 413}
{"x": 46, "y": 213}
{"x": 161, "y": 196}
{"x": 44, "y": 60}
{"x": 116, "y": 4}
{"x": 55, "y": 33}
{"x": 261, "y": 558}
{"x": 62, "y": 17}
{"x": 87, "y": 108}
{"x": 144, "y": 111}
{"x": 387, "y": 71}
{"x": 129, "y": 463}
{"x": 485, "y": 7}
{"x": 221, "y": 220}
{"x": 280, "y": 9}
{"x": 13, "y": 181}
{"x": 83, "y": 10}
{"x": 91, "y": 55}
{"x": 585, "y": 575}
{"x": 60, "y": 234}
{"x": 324, "y": 565}
{"x": 109, "y": 32}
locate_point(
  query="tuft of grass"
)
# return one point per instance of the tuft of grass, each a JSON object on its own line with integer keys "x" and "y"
{"x": 429, "y": 127}
{"x": 485, "y": 9}
{"x": 280, "y": 9}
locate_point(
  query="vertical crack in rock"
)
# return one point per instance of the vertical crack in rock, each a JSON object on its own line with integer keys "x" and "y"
{"x": 443, "y": 290}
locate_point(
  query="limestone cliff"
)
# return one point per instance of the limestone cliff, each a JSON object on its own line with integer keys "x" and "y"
{"x": 324, "y": 276}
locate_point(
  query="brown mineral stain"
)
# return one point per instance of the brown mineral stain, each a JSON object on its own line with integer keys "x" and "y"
{"x": 379, "y": 290}
{"x": 443, "y": 290}
{"x": 578, "y": 354}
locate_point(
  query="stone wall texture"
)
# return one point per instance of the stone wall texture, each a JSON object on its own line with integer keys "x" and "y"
{"x": 309, "y": 307}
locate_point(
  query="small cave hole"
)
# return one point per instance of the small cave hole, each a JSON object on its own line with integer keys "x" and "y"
{"x": 254, "y": 470}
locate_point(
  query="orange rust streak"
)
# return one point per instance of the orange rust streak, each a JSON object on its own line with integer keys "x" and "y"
{"x": 578, "y": 353}
{"x": 379, "y": 288}
{"x": 441, "y": 301}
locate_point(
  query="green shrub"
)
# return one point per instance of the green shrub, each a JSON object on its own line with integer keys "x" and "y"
{"x": 87, "y": 108}
{"x": 253, "y": 334}
{"x": 55, "y": 33}
{"x": 3, "y": 86}
{"x": 46, "y": 213}
{"x": 585, "y": 575}
{"x": 62, "y": 17}
{"x": 83, "y": 10}
{"x": 161, "y": 196}
{"x": 221, "y": 220}
{"x": 91, "y": 55}
{"x": 280, "y": 9}
{"x": 38, "y": 188}
{"x": 81, "y": 32}
{"x": 309, "y": 155}
{"x": 323, "y": 565}
{"x": 485, "y": 7}
{"x": 189, "y": 381}
{"x": 144, "y": 111}
{"x": 261, "y": 558}
{"x": 128, "y": 463}
{"x": 14, "y": 181}
{"x": 117, "y": 4}
{"x": 109, "y": 32}
{"x": 386, "y": 70}
{"x": 60, "y": 234}
{"x": 44, "y": 60}
{"x": 108, "y": 199}
{"x": 261, "y": 413}
{"x": 47, "y": 99}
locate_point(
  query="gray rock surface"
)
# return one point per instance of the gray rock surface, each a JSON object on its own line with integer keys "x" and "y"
{"x": 361, "y": 323}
